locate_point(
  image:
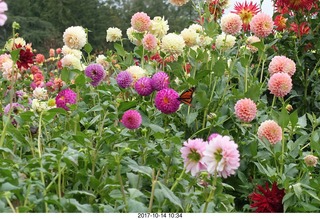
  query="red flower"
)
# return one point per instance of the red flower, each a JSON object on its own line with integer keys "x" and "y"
{"x": 280, "y": 22}
{"x": 270, "y": 201}
{"x": 300, "y": 29}
{"x": 25, "y": 58}
{"x": 295, "y": 5}
{"x": 246, "y": 12}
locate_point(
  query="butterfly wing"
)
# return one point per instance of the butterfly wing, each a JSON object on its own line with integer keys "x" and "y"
{"x": 186, "y": 96}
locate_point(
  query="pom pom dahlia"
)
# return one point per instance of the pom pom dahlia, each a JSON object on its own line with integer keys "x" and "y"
{"x": 231, "y": 24}
{"x": 124, "y": 79}
{"x": 270, "y": 130}
{"x": 222, "y": 156}
{"x": 166, "y": 101}
{"x": 66, "y": 97}
{"x": 224, "y": 41}
{"x": 178, "y": 2}
{"x": 192, "y": 154}
{"x": 75, "y": 37}
{"x": 282, "y": 64}
{"x": 113, "y": 34}
{"x": 245, "y": 109}
{"x": 160, "y": 80}
{"x": 143, "y": 86}
{"x": 261, "y": 25}
{"x": 172, "y": 44}
{"x": 96, "y": 73}
{"x": 149, "y": 42}
{"x": 140, "y": 21}
{"x": 310, "y": 160}
{"x": 280, "y": 84}
{"x": 131, "y": 119}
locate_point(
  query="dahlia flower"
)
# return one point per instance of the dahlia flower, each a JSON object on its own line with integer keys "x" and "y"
{"x": 143, "y": 86}
{"x": 280, "y": 84}
{"x": 71, "y": 61}
{"x": 159, "y": 27}
{"x": 25, "y": 57}
{"x": 166, "y": 100}
{"x": 149, "y": 42}
{"x": 113, "y": 34}
{"x": 172, "y": 44}
{"x": 16, "y": 108}
{"x": 65, "y": 50}
{"x": 40, "y": 93}
{"x": 282, "y": 64}
{"x": 66, "y": 97}
{"x": 136, "y": 72}
{"x": 280, "y": 22}
{"x": 3, "y": 17}
{"x": 160, "y": 80}
{"x": 261, "y": 25}
{"x": 131, "y": 119}
{"x": 131, "y": 37}
{"x": 140, "y": 21}
{"x": 192, "y": 154}
{"x": 178, "y": 2}
{"x": 231, "y": 24}
{"x": 246, "y": 11}
{"x": 270, "y": 130}
{"x": 96, "y": 73}
{"x": 245, "y": 109}
{"x": 222, "y": 156}
{"x": 212, "y": 136}
{"x": 224, "y": 41}
{"x": 249, "y": 41}
{"x": 124, "y": 79}
{"x": 310, "y": 160}
{"x": 75, "y": 37}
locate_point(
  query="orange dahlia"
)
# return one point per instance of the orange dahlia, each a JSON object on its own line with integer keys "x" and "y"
{"x": 246, "y": 11}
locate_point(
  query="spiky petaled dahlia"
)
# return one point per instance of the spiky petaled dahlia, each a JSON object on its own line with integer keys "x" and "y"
{"x": 261, "y": 25}
{"x": 140, "y": 21}
{"x": 270, "y": 130}
{"x": 216, "y": 7}
{"x": 296, "y": 5}
{"x": 25, "y": 57}
{"x": 231, "y": 24}
{"x": 246, "y": 11}
{"x": 300, "y": 29}
{"x": 268, "y": 200}
{"x": 245, "y": 109}
{"x": 159, "y": 27}
{"x": 172, "y": 44}
{"x": 178, "y": 2}
{"x": 280, "y": 22}
{"x": 282, "y": 64}
{"x": 75, "y": 37}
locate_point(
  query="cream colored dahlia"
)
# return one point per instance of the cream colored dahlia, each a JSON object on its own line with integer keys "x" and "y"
{"x": 113, "y": 34}
{"x": 75, "y": 37}
{"x": 131, "y": 37}
{"x": 178, "y": 2}
{"x": 159, "y": 27}
{"x": 190, "y": 36}
{"x": 224, "y": 41}
{"x": 172, "y": 44}
{"x": 71, "y": 61}
{"x": 136, "y": 72}
{"x": 67, "y": 50}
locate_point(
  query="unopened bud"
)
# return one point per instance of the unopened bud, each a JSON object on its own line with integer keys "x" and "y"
{"x": 311, "y": 160}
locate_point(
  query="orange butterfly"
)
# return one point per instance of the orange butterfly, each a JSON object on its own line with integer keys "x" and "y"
{"x": 186, "y": 96}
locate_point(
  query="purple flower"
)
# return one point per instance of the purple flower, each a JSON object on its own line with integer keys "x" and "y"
{"x": 66, "y": 97}
{"x": 166, "y": 101}
{"x": 131, "y": 119}
{"x": 16, "y": 108}
{"x": 96, "y": 73}
{"x": 124, "y": 79}
{"x": 143, "y": 86}
{"x": 160, "y": 80}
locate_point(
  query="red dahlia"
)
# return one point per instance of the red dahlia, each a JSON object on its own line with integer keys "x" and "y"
{"x": 25, "y": 58}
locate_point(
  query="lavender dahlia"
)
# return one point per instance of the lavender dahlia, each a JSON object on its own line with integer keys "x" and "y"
{"x": 131, "y": 119}
{"x": 124, "y": 79}
{"x": 166, "y": 101}
{"x": 66, "y": 97}
{"x": 160, "y": 80}
{"x": 143, "y": 86}
{"x": 96, "y": 73}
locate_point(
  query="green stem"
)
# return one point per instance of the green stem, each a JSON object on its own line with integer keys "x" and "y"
{"x": 10, "y": 204}
{"x": 212, "y": 191}
{"x": 154, "y": 183}
{"x": 122, "y": 186}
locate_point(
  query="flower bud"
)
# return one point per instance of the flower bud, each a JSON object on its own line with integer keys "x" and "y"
{"x": 311, "y": 160}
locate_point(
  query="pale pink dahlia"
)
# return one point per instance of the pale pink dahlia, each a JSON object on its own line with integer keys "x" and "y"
{"x": 282, "y": 64}
{"x": 192, "y": 154}
{"x": 149, "y": 42}
{"x": 212, "y": 136}
{"x": 131, "y": 119}
{"x": 310, "y": 160}
{"x": 280, "y": 84}
{"x": 140, "y": 21}
{"x": 3, "y": 17}
{"x": 261, "y": 25}
{"x": 245, "y": 110}
{"x": 222, "y": 156}
{"x": 231, "y": 24}
{"x": 271, "y": 131}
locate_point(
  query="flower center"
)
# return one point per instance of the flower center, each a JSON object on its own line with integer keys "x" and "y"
{"x": 194, "y": 155}
{"x": 217, "y": 155}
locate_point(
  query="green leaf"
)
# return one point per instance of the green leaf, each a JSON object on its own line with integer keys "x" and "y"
{"x": 88, "y": 48}
{"x": 8, "y": 187}
{"x": 70, "y": 193}
{"x": 80, "y": 80}
{"x": 83, "y": 208}
{"x": 302, "y": 121}
{"x": 135, "y": 193}
{"x": 65, "y": 74}
{"x": 127, "y": 105}
{"x": 15, "y": 54}
{"x": 170, "y": 195}
{"x": 120, "y": 50}
{"x": 219, "y": 67}
{"x": 191, "y": 117}
{"x": 156, "y": 128}
{"x": 297, "y": 190}
{"x": 135, "y": 206}
{"x": 312, "y": 194}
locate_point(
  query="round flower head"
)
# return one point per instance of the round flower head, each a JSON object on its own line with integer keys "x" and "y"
{"x": 261, "y": 25}
{"x": 245, "y": 109}
{"x": 212, "y": 136}
{"x": 75, "y": 37}
{"x": 271, "y": 131}
{"x": 136, "y": 72}
{"x": 71, "y": 61}
{"x": 159, "y": 27}
{"x": 65, "y": 97}
{"x": 224, "y": 41}
{"x": 166, "y": 101}
{"x": 172, "y": 44}
{"x": 149, "y": 42}
{"x": 231, "y": 24}
{"x": 222, "y": 155}
{"x": 190, "y": 36}
{"x": 131, "y": 37}
{"x": 178, "y": 2}
{"x": 310, "y": 160}
{"x": 40, "y": 58}
{"x": 16, "y": 108}
{"x": 124, "y": 79}
{"x": 282, "y": 64}
{"x": 280, "y": 84}
{"x": 140, "y": 21}
{"x": 3, "y": 17}
{"x": 96, "y": 73}
{"x": 143, "y": 86}
{"x": 40, "y": 93}
{"x": 67, "y": 50}
{"x": 131, "y": 119}
{"x": 160, "y": 80}
{"x": 113, "y": 34}
{"x": 192, "y": 154}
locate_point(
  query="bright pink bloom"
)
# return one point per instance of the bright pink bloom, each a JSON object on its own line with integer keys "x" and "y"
{"x": 222, "y": 156}
{"x": 66, "y": 97}
{"x": 131, "y": 119}
{"x": 149, "y": 42}
{"x": 245, "y": 109}
{"x": 140, "y": 21}
{"x": 143, "y": 86}
{"x": 160, "y": 80}
{"x": 270, "y": 130}
{"x": 231, "y": 24}
{"x": 192, "y": 154}
{"x": 282, "y": 64}
{"x": 40, "y": 58}
{"x": 166, "y": 101}
{"x": 280, "y": 84}
{"x": 261, "y": 25}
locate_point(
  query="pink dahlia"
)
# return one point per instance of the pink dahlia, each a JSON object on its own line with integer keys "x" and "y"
{"x": 270, "y": 130}
{"x": 131, "y": 119}
{"x": 140, "y": 21}
{"x": 66, "y": 97}
{"x": 231, "y": 24}
{"x": 166, "y": 101}
{"x": 160, "y": 80}
{"x": 222, "y": 156}
{"x": 280, "y": 84}
{"x": 149, "y": 42}
{"x": 40, "y": 58}
{"x": 282, "y": 64}
{"x": 124, "y": 79}
{"x": 261, "y": 25}
{"x": 3, "y": 17}
{"x": 192, "y": 154}
{"x": 143, "y": 86}
{"x": 310, "y": 160}
{"x": 246, "y": 12}
{"x": 212, "y": 136}
{"x": 245, "y": 109}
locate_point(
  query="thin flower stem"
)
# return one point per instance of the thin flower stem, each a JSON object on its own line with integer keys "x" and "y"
{"x": 154, "y": 183}
{"x": 10, "y": 204}
{"x": 122, "y": 186}
{"x": 214, "y": 183}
